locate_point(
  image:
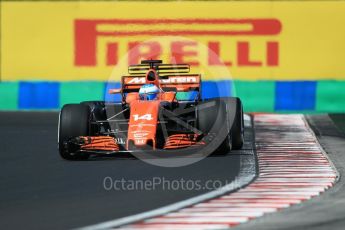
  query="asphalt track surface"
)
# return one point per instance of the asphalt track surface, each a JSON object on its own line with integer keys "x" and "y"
{"x": 39, "y": 190}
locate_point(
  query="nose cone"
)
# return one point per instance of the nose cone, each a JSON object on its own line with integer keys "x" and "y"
{"x": 143, "y": 123}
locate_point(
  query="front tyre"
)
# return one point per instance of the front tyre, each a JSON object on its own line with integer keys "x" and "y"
{"x": 235, "y": 116}
{"x": 238, "y": 126}
{"x": 73, "y": 122}
{"x": 212, "y": 119}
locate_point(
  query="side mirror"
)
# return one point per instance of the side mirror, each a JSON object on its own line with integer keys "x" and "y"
{"x": 114, "y": 91}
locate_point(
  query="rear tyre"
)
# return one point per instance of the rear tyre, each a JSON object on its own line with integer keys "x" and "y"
{"x": 73, "y": 122}
{"x": 212, "y": 120}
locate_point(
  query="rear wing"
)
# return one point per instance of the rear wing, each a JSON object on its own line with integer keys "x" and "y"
{"x": 178, "y": 83}
{"x": 171, "y": 77}
{"x": 161, "y": 69}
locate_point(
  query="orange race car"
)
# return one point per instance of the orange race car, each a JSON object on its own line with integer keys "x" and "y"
{"x": 161, "y": 111}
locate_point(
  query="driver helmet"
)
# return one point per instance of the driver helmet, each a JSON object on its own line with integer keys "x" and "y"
{"x": 148, "y": 92}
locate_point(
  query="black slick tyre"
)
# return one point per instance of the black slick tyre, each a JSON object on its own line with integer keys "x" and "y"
{"x": 211, "y": 120}
{"x": 73, "y": 122}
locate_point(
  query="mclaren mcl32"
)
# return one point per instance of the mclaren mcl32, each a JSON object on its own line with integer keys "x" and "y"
{"x": 175, "y": 119}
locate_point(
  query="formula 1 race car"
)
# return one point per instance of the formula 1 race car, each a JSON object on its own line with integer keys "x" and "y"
{"x": 161, "y": 111}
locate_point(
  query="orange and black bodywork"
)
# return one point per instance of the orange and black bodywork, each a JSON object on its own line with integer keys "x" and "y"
{"x": 141, "y": 120}
{"x": 169, "y": 122}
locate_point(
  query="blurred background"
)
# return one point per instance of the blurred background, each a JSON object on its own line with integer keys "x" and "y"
{"x": 281, "y": 56}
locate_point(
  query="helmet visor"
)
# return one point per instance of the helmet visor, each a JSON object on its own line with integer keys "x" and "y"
{"x": 148, "y": 96}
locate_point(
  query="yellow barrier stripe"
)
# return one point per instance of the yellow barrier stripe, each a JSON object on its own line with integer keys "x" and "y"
{"x": 40, "y": 39}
